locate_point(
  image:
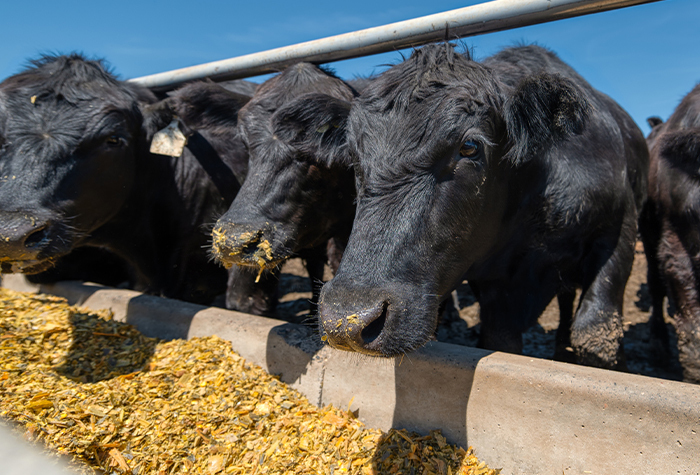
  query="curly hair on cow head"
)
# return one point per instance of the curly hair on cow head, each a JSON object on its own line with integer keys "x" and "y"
{"x": 73, "y": 78}
{"x": 298, "y": 79}
{"x": 426, "y": 72}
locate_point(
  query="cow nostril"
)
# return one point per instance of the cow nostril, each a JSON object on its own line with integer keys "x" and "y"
{"x": 250, "y": 248}
{"x": 36, "y": 238}
{"x": 372, "y": 331}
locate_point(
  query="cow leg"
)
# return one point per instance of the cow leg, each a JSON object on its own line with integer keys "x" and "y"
{"x": 681, "y": 277}
{"x": 651, "y": 236}
{"x": 508, "y": 310}
{"x": 245, "y": 295}
{"x": 597, "y": 331}
{"x": 565, "y": 299}
{"x": 688, "y": 330}
{"x": 496, "y": 332}
{"x": 657, "y": 291}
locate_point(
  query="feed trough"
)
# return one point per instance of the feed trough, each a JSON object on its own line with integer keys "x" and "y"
{"x": 522, "y": 414}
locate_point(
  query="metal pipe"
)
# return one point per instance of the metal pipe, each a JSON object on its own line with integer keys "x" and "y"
{"x": 469, "y": 21}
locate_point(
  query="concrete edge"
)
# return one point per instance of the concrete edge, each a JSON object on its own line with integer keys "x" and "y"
{"x": 20, "y": 457}
{"x": 522, "y": 414}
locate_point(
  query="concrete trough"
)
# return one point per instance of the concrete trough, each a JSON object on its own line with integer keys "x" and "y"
{"x": 526, "y": 415}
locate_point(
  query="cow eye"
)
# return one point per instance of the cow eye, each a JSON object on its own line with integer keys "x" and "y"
{"x": 114, "y": 140}
{"x": 470, "y": 149}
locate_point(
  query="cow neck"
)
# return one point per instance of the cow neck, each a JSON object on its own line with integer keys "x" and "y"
{"x": 211, "y": 162}
{"x": 343, "y": 227}
{"x": 150, "y": 224}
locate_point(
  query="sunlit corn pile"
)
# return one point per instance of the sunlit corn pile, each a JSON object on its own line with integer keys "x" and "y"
{"x": 119, "y": 402}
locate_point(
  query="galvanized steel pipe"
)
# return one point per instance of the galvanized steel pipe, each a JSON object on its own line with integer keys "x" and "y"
{"x": 469, "y": 21}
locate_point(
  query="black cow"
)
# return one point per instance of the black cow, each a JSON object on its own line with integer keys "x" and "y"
{"x": 670, "y": 228}
{"x": 299, "y": 190}
{"x": 513, "y": 173}
{"x": 75, "y": 170}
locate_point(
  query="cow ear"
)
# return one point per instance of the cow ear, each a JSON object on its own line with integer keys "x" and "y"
{"x": 315, "y": 124}
{"x": 206, "y": 105}
{"x": 164, "y": 131}
{"x": 654, "y": 121}
{"x": 544, "y": 110}
{"x": 156, "y": 116}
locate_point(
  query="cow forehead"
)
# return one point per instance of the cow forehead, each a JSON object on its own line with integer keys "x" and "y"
{"x": 50, "y": 115}
{"x": 46, "y": 134}
{"x": 66, "y": 87}
{"x": 434, "y": 121}
{"x": 414, "y": 105}
{"x": 293, "y": 82}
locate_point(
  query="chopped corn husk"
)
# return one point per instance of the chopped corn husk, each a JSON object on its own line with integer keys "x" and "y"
{"x": 118, "y": 402}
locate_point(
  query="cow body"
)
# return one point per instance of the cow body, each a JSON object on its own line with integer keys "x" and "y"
{"x": 76, "y": 171}
{"x": 299, "y": 191}
{"x": 670, "y": 228}
{"x": 513, "y": 173}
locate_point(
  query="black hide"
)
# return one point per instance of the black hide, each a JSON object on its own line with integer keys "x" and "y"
{"x": 513, "y": 173}
{"x": 300, "y": 187}
{"x": 670, "y": 228}
{"x": 76, "y": 171}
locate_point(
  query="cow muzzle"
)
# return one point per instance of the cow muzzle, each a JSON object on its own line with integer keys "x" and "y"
{"x": 246, "y": 246}
{"x": 24, "y": 242}
{"x": 375, "y": 321}
{"x": 357, "y": 331}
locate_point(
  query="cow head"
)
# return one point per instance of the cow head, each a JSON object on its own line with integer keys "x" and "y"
{"x": 434, "y": 141}
{"x": 296, "y": 189}
{"x": 68, "y": 134}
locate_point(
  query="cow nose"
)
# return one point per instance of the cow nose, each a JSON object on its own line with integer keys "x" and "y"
{"x": 37, "y": 237}
{"x": 359, "y": 331}
{"x": 241, "y": 245}
{"x": 376, "y": 317}
{"x": 22, "y": 238}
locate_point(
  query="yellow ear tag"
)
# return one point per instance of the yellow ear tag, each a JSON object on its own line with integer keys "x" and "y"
{"x": 323, "y": 128}
{"x": 169, "y": 141}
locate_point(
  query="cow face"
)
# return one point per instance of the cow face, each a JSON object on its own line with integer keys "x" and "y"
{"x": 295, "y": 191}
{"x": 434, "y": 142}
{"x": 68, "y": 131}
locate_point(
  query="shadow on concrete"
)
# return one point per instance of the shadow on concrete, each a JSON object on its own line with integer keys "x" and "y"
{"x": 433, "y": 389}
{"x": 290, "y": 349}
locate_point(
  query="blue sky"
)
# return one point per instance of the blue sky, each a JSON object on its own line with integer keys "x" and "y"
{"x": 646, "y": 57}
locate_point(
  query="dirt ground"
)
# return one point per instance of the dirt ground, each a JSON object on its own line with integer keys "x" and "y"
{"x": 462, "y": 327}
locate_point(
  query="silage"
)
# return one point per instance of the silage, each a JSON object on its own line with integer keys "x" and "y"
{"x": 118, "y": 402}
